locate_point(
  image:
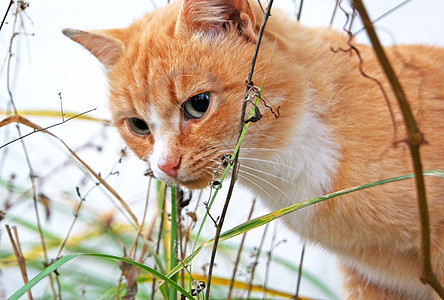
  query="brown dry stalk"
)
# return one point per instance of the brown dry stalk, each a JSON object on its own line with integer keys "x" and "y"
{"x": 19, "y": 255}
{"x": 6, "y": 13}
{"x": 130, "y": 273}
{"x": 415, "y": 140}
{"x": 163, "y": 215}
{"x": 298, "y": 283}
{"x": 256, "y": 261}
{"x": 239, "y": 252}
{"x": 20, "y": 7}
{"x": 150, "y": 226}
{"x": 236, "y": 158}
{"x": 23, "y": 120}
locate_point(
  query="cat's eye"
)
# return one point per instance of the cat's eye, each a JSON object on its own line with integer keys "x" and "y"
{"x": 197, "y": 106}
{"x": 138, "y": 126}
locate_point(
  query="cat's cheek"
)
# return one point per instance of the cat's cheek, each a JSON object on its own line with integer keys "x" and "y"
{"x": 142, "y": 146}
{"x": 142, "y": 150}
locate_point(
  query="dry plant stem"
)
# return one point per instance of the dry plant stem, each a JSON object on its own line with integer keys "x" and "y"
{"x": 239, "y": 252}
{"x": 269, "y": 255}
{"x": 180, "y": 246}
{"x": 385, "y": 14}
{"x": 219, "y": 228}
{"x": 77, "y": 211}
{"x": 129, "y": 271}
{"x": 24, "y": 121}
{"x": 192, "y": 223}
{"x": 132, "y": 251}
{"x": 149, "y": 229}
{"x": 190, "y": 226}
{"x": 334, "y": 12}
{"x": 159, "y": 238}
{"x": 25, "y": 151}
{"x": 415, "y": 139}
{"x": 236, "y": 158}
{"x": 298, "y": 285}
{"x": 173, "y": 240}
{"x": 6, "y": 13}
{"x": 19, "y": 255}
{"x": 352, "y": 49}
{"x": 40, "y": 128}
{"x": 300, "y": 10}
{"x": 256, "y": 261}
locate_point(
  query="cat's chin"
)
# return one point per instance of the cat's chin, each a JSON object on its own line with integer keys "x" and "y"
{"x": 194, "y": 184}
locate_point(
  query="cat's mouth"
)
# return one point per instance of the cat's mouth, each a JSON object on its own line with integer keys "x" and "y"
{"x": 180, "y": 179}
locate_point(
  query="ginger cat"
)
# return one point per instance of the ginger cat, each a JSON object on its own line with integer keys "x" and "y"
{"x": 177, "y": 79}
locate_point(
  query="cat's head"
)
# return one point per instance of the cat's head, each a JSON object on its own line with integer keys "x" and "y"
{"x": 177, "y": 80}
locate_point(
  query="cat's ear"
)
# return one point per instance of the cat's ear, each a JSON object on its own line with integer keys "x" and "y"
{"x": 106, "y": 45}
{"x": 217, "y": 16}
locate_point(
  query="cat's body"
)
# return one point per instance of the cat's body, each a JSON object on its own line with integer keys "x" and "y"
{"x": 334, "y": 131}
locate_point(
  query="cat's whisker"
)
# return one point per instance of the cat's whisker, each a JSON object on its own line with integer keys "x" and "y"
{"x": 257, "y": 149}
{"x": 269, "y": 162}
{"x": 251, "y": 181}
{"x": 242, "y": 166}
{"x": 266, "y": 181}
{"x": 268, "y": 174}
{"x": 257, "y": 185}
{"x": 263, "y": 149}
{"x": 233, "y": 142}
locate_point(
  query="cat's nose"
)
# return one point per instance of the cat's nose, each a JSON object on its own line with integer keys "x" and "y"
{"x": 169, "y": 166}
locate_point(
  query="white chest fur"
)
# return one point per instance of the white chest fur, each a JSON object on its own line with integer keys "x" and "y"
{"x": 300, "y": 171}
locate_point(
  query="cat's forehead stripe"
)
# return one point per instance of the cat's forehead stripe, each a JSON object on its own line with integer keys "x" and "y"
{"x": 164, "y": 123}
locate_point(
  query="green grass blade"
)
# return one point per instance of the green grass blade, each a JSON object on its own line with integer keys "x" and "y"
{"x": 247, "y": 226}
{"x": 173, "y": 240}
{"x": 60, "y": 262}
{"x": 224, "y": 175}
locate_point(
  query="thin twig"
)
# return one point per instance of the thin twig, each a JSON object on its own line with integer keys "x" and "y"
{"x": 298, "y": 284}
{"x": 173, "y": 240}
{"x": 79, "y": 206}
{"x": 149, "y": 228}
{"x": 415, "y": 140}
{"x": 353, "y": 49}
{"x": 159, "y": 238}
{"x": 180, "y": 246}
{"x": 268, "y": 263}
{"x": 24, "y": 121}
{"x": 239, "y": 252}
{"x": 6, "y": 14}
{"x": 236, "y": 165}
{"x": 61, "y": 107}
{"x": 191, "y": 225}
{"x": 19, "y": 255}
{"x": 385, "y": 15}
{"x": 25, "y": 150}
{"x": 3, "y": 122}
{"x": 300, "y": 10}
{"x": 260, "y": 5}
{"x": 334, "y": 12}
{"x": 352, "y": 19}
{"x": 256, "y": 261}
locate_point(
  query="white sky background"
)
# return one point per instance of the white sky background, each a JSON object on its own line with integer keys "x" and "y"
{"x": 48, "y": 63}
